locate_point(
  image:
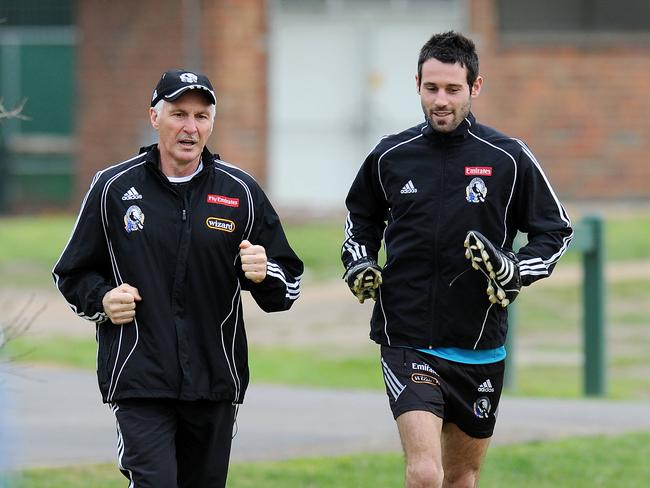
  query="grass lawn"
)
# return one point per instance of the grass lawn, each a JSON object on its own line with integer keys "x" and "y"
{"x": 573, "y": 463}
{"x": 545, "y": 325}
{"x": 542, "y": 329}
{"x": 546, "y": 319}
{"x": 29, "y": 246}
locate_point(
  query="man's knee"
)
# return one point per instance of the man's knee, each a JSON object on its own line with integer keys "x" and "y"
{"x": 467, "y": 478}
{"x": 423, "y": 473}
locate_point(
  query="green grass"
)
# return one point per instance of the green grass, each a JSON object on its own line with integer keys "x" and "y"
{"x": 627, "y": 238}
{"x": 319, "y": 246}
{"x": 74, "y": 352}
{"x": 567, "y": 381}
{"x": 267, "y": 365}
{"x": 605, "y": 462}
{"x": 577, "y": 463}
{"x": 29, "y": 246}
{"x": 628, "y": 374}
{"x": 549, "y": 318}
{"x": 558, "y": 307}
{"x": 326, "y": 370}
{"x": 549, "y": 307}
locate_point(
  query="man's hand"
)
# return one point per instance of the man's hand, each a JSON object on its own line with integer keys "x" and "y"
{"x": 119, "y": 303}
{"x": 500, "y": 267}
{"x": 364, "y": 279}
{"x": 253, "y": 261}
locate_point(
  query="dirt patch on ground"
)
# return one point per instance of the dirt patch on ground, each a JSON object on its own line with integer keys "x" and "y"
{"x": 326, "y": 314}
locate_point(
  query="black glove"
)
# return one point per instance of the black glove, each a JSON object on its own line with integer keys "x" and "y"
{"x": 364, "y": 278}
{"x": 501, "y": 268}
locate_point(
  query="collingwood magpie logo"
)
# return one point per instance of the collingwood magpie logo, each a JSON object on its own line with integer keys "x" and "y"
{"x": 189, "y": 78}
{"x": 482, "y": 407}
{"x": 409, "y": 188}
{"x": 133, "y": 219}
{"x": 218, "y": 223}
{"x": 476, "y": 191}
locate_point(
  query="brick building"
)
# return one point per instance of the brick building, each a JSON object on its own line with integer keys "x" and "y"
{"x": 125, "y": 47}
{"x": 576, "y": 96}
{"x": 292, "y": 77}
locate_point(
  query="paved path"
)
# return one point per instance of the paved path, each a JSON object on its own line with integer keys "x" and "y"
{"x": 56, "y": 418}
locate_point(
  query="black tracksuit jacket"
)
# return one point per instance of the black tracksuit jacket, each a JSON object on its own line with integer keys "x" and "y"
{"x": 180, "y": 250}
{"x": 421, "y": 191}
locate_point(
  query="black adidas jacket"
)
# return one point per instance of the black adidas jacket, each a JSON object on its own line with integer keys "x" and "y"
{"x": 181, "y": 252}
{"x": 421, "y": 191}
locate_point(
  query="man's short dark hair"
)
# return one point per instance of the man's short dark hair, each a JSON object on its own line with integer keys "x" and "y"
{"x": 451, "y": 47}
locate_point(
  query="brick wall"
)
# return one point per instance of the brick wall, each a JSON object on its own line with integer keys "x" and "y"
{"x": 584, "y": 111}
{"x": 124, "y": 47}
{"x": 234, "y": 44}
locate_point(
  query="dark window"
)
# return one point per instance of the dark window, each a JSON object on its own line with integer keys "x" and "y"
{"x": 36, "y": 12}
{"x": 574, "y": 16}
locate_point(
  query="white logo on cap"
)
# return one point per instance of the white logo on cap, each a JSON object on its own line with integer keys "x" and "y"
{"x": 189, "y": 78}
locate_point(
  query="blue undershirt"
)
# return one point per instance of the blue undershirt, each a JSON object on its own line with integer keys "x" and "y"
{"x": 468, "y": 356}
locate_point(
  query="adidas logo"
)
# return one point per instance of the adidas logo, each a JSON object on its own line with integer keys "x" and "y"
{"x": 409, "y": 188}
{"x": 132, "y": 194}
{"x": 486, "y": 387}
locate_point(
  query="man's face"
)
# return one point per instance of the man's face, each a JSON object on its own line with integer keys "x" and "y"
{"x": 445, "y": 96}
{"x": 183, "y": 126}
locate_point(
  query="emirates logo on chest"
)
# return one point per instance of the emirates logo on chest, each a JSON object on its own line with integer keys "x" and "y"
{"x": 478, "y": 170}
{"x": 223, "y": 200}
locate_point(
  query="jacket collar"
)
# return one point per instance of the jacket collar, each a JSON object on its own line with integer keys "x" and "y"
{"x": 458, "y": 134}
{"x": 153, "y": 156}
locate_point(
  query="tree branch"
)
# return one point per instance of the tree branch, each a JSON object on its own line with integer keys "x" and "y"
{"x": 14, "y": 113}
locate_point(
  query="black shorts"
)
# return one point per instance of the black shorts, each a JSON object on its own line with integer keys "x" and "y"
{"x": 464, "y": 394}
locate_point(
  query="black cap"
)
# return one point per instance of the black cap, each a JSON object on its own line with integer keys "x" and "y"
{"x": 175, "y": 82}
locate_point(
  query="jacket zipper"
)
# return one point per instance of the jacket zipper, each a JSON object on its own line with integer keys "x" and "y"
{"x": 436, "y": 242}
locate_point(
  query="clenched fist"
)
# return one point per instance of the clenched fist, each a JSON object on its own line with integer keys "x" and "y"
{"x": 119, "y": 303}
{"x": 253, "y": 261}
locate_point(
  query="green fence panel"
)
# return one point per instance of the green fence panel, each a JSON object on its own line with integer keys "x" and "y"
{"x": 588, "y": 240}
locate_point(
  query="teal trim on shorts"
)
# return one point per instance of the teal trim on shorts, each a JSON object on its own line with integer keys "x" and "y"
{"x": 468, "y": 356}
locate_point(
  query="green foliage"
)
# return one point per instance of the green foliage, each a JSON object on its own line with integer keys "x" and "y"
{"x": 605, "y": 462}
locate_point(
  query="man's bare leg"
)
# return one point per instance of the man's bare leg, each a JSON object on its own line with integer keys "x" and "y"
{"x": 420, "y": 434}
{"x": 462, "y": 457}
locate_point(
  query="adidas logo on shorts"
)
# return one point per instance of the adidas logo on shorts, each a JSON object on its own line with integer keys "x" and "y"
{"x": 486, "y": 387}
